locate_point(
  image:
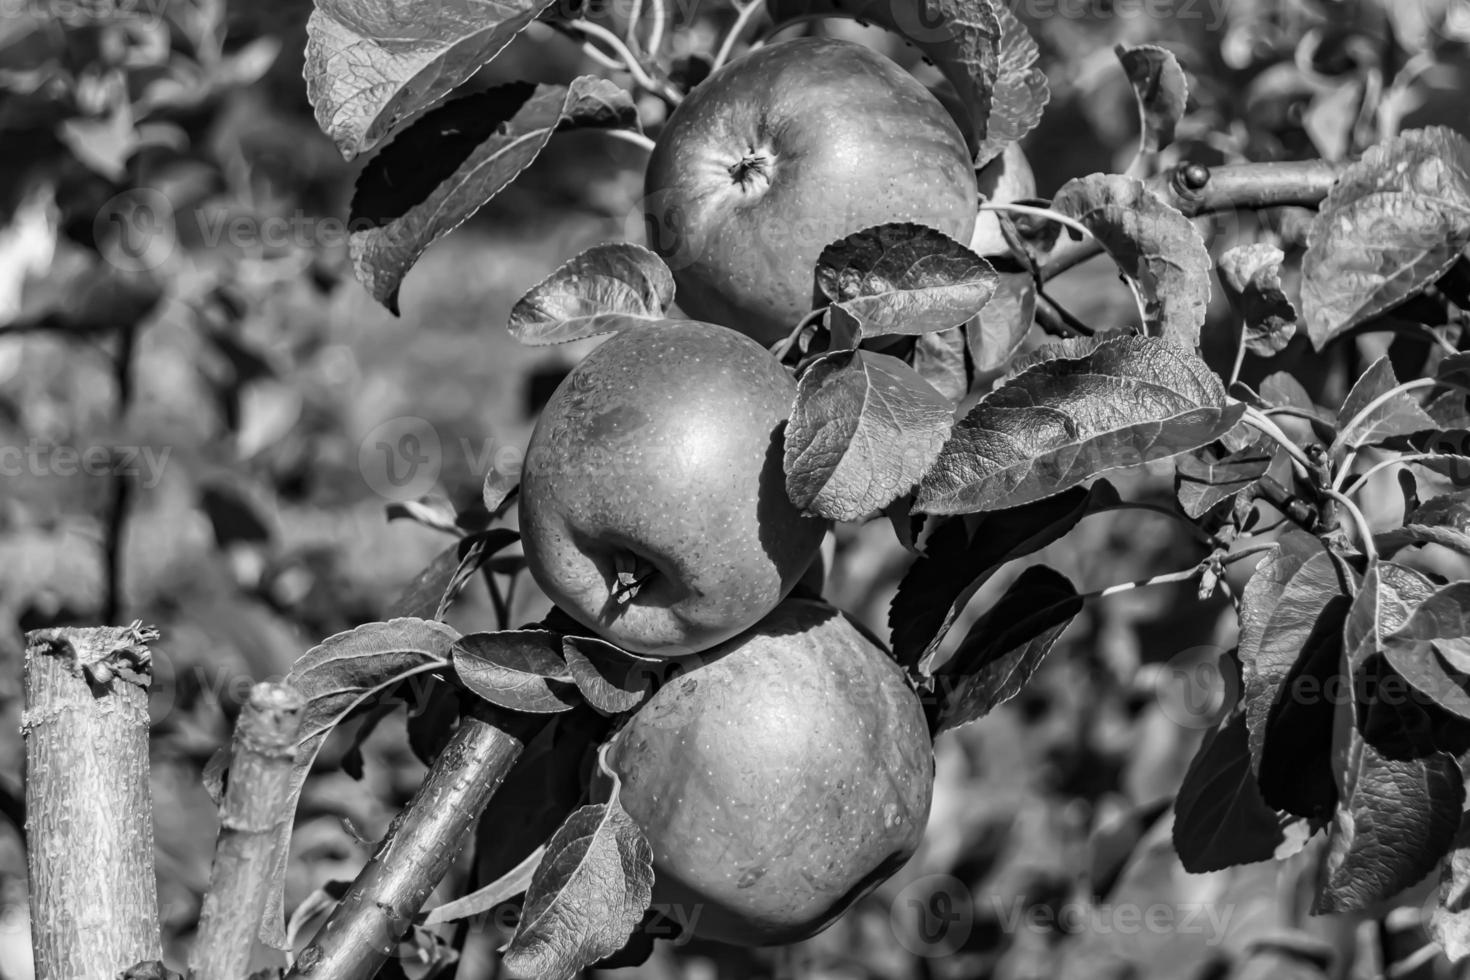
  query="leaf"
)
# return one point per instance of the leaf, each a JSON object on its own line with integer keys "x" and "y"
{"x": 500, "y": 491}
{"x": 903, "y": 279}
{"x": 603, "y": 290}
{"x": 334, "y": 676}
{"x": 864, "y": 429}
{"x": 939, "y": 358}
{"x": 957, "y": 561}
{"x": 372, "y": 63}
{"x": 1251, "y": 275}
{"x": 1441, "y": 618}
{"x": 587, "y": 896}
{"x": 520, "y": 670}
{"x": 1005, "y": 646}
{"x": 434, "y": 590}
{"x": 1443, "y": 520}
{"x": 1001, "y": 327}
{"x": 1398, "y": 416}
{"x": 961, "y": 37}
{"x": 1131, "y": 400}
{"x": 1209, "y": 476}
{"x": 1282, "y": 390}
{"x": 610, "y": 678}
{"x": 447, "y": 165}
{"x": 1162, "y": 92}
{"x": 1156, "y": 247}
{"x": 1393, "y": 223}
{"x": 1220, "y": 819}
{"x": 1021, "y": 91}
{"x": 1291, "y": 616}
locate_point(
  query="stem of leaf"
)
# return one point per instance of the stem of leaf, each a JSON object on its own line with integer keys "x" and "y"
{"x": 1068, "y": 318}
{"x": 1046, "y": 214}
{"x": 1184, "y": 576}
{"x": 635, "y": 14}
{"x": 1258, "y": 421}
{"x": 629, "y": 61}
{"x": 746, "y": 12}
{"x": 1375, "y": 469}
{"x": 656, "y": 31}
{"x": 1239, "y": 355}
{"x": 1365, "y": 533}
{"x": 632, "y": 136}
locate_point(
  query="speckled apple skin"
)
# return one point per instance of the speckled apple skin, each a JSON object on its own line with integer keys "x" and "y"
{"x": 851, "y": 140}
{"x": 665, "y": 443}
{"x": 780, "y": 780}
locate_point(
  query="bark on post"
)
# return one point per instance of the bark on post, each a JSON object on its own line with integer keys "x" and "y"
{"x": 259, "y": 774}
{"x": 89, "y": 815}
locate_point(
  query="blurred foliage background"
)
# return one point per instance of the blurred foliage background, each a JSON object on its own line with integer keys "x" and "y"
{"x": 185, "y": 418}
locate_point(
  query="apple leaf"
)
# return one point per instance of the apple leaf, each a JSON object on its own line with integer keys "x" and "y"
{"x": 1021, "y": 90}
{"x": 961, "y": 37}
{"x": 958, "y": 559}
{"x": 603, "y": 290}
{"x": 483, "y": 900}
{"x": 939, "y": 358}
{"x": 1441, "y": 618}
{"x": 342, "y": 672}
{"x": 449, "y": 163}
{"x": 1251, "y": 275}
{"x": 610, "y": 678}
{"x": 903, "y": 279}
{"x": 1394, "y": 222}
{"x": 1291, "y": 616}
{"x": 1157, "y": 248}
{"x": 1005, "y": 646}
{"x": 1162, "y": 90}
{"x": 500, "y": 491}
{"x": 587, "y": 896}
{"x": 1220, "y": 819}
{"x": 1282, "y": 390}
{"x": 1399, "y": 415}
{"x": 1444, "y": 520}
{"x": 864, "y": 429}
{"x": 1060, "y": 422}
{"x": 1000, "y": 329}
{"x": 1209, "y": 476}
{"x": 519, "y": 670}
{"x": 373, "y": 63}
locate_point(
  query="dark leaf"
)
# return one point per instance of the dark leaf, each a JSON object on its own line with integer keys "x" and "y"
{"x": 370, "y": 65}
{"x": 587, "y": 896}
{"x": 1366, "y": 419}
{"x": 520, "y": 670}
{"x": 1158, "y": 249}
{"x": 1251, "y": 275}
{"x": 865, "y": 428}
{"x": 603, "y": 290}
{"x": 611, "y": 679}
{"x": 447, "y": 165}
{"x": 957, "y": 561}
{"x": 998, "y": 332}
{"x": 903, "y": 279}
{"x": 1393, "y": 223}
{"x": 1162, "y": 92}
{"x": 1129, "y": 401}
{"x": 1209, "y": 476}
{"x": 1021, "y": 90}
{"x": 1005, "y": 646}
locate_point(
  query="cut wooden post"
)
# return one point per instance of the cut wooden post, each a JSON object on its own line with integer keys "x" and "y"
{"x": 89, "y": 815}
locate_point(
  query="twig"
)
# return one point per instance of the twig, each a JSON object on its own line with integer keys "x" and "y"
{"x": 1258, "y": 421}
{"x": 260, "y": 771}
{"x": 1184, "y": 576}
{"x": 89, "y": 816}
{"x": 747, "y": 11}
{"x": 630, "y": 62}
{"x": 421, "y": 845}
{"x": 656, "y": 32}
{"x": 1239, "y": 355}
{"x": 1068, "y": 318}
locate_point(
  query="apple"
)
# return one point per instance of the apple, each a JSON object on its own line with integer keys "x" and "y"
{"x": 653, "y": 505}
{"x": 784, "y": 151}
{"x": 1005, "y": 179}
{"x": 778, "y": 781}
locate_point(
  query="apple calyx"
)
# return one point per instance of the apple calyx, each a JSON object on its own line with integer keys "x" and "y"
{"x": 752, "y": 167}
{"x": 631, "y": 573}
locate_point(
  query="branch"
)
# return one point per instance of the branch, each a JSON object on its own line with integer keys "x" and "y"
{"x": 89, "y": 827}
{"x": 421, "y": 845}
{"x": 1198, "y": 190}
{"x": 259, "y": 774}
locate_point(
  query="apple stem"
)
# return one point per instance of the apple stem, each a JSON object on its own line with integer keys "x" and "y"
{"x": 632, "y": 572}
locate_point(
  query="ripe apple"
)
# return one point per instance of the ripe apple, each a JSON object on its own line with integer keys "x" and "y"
{"x": 779, "y": 154}
{"x": 1005, "y": 179}
{"x": 778, "y": 781}
{"x": 653, "y": 503}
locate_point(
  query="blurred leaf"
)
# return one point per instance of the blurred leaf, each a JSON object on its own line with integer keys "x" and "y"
{"x": 1208, "y": 476}
{"x": 371, "y": 64}
{"x": 1021, "y": 91}
{"x": 998, "y": 332}
{"x": 232, "y": 513}
{"x": 1162, "y": 92}
{"x": 961, "y": 37}
{"x": 1449, "y": 924}
{"x": 939, "y": 358}
{"x": 335, "y": 676}
{"x": 520, "y": 670}
{"x": 611, "y": 679}
{"x": 1157, "y": 249}
{"x": 1131, "y": 400}
{"x": 448, "y": 164}
{"x": 587, "y": 896}
{"x": 1251, "y": 275}
{"x": 1400, "y": 415}
{"x": 865, "y": 428}
{"x": 958, "y": 560}
{"x": 435, "y": 588}
{"x": 433, "y": 512}
{"x": 903, "y": 279}
{"x": 605, "y": 289}
{"x": 1393, "y": 223}
{"x": 1220, "y": 819}
{"x": 1005, "y": 646}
